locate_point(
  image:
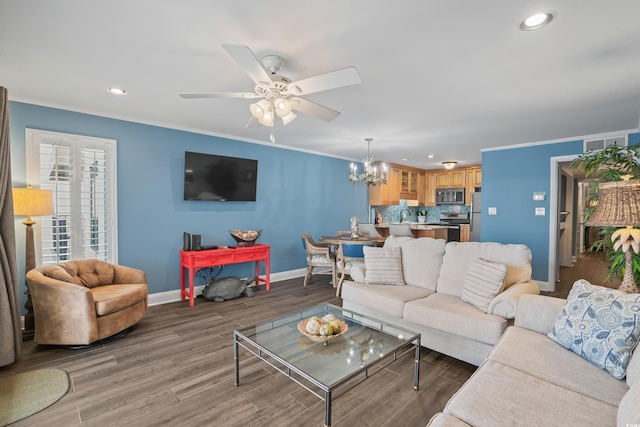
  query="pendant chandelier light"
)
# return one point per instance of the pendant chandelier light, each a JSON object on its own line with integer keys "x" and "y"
{"x": 370, "y": 175}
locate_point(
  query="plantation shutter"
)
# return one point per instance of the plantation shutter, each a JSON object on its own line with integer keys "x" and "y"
{"x": 80, "y": 171}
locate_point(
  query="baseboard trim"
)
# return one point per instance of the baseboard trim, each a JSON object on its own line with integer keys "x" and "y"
{"x": 545, "y": 286}
{"x": 167, "y": 297}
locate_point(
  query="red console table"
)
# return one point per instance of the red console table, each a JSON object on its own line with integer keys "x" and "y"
{"x": 195, "y": 260}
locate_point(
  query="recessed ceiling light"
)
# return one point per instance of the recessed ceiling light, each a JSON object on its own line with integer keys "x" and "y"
{"x": 536, "y": 21}
{"x": 117, "y": 91}
{"x": 430, "y": 156}
{"x": 404, "y": 159}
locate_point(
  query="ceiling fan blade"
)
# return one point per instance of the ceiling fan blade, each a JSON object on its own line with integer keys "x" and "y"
{"x": 247, "y": 95}
{"x": 249, "y": 63}
{"x": 314, "y": 110}
{"x": 331, "y": 80}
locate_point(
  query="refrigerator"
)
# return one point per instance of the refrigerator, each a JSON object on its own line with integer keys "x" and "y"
{"x": 476, "y": 214}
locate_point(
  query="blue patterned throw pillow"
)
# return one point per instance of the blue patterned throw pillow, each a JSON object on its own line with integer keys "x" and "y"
{"x": 600, "y": 324}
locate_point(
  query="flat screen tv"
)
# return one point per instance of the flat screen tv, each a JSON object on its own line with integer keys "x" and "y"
{"x": 221, "y": 178}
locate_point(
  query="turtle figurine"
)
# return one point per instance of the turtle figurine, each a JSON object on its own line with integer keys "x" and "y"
{"x": 228, "y": 288}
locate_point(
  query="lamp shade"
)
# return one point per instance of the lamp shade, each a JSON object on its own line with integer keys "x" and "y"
{"x": 32, "y": 202}
{"x": 618, "y": 204}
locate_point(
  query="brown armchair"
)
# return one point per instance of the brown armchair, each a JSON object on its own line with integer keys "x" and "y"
{"x": 80, "y": 302}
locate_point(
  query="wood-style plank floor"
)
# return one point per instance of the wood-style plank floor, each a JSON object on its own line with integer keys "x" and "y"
{"x": 591, "y": 266}
{"x": 176, "y": 368}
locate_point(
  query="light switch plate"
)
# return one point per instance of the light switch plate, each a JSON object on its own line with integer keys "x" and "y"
{"x": 539, "y": 196}
{"x": 493, "y": 211}
{"x": 540, "y": 211}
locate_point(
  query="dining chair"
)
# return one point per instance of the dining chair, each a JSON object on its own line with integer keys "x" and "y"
{"x": 320, "y": 257}
{"x": 348, "y": 255}
{"x": 400, "y": 230}
{"x": 368, "y": 230}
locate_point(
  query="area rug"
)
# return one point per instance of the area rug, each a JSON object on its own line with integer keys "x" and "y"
{"x": 24, "y": 394}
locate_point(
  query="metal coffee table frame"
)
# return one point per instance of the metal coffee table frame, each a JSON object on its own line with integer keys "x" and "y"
{"x": 405, "y": 341}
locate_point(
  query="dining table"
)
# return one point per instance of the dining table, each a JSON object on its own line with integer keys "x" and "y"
{"x": 337, "y": 239}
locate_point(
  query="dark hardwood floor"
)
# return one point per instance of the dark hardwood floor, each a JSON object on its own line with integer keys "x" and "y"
{"x": 590, "y": 266}
{"x": 176, "y": 368}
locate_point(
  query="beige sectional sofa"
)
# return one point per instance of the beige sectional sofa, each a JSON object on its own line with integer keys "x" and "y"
{"x": 431, "y": 301}
{"x": 529, "y": 380}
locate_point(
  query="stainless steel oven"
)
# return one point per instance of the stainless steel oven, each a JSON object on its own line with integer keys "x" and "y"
{"x": 450, "y": 196}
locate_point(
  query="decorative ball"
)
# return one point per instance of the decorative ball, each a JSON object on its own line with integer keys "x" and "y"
{"x": 326, "y": 330}
{"x": 313, "y": 327}
{"x": 335, "y": 325}
{"x": 328, "y": 318}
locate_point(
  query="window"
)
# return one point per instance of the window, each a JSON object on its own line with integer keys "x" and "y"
{"x": 81, "y": 173}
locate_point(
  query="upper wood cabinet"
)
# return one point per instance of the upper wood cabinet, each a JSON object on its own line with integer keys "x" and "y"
{"x": 386, "y": 194}
{"x": 409, "y": 184}
{"x": 450, "y": 179}
{"x": 474, "y": 180}
{"x": 430, "y": 189}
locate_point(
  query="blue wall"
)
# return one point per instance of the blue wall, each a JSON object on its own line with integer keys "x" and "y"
{"x": 297, "y": 192}
{"x": 509, "y": 179}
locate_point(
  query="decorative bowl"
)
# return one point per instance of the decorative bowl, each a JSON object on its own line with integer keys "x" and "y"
{"x": 302, "y": 327}
{"x": 245, "y": 237}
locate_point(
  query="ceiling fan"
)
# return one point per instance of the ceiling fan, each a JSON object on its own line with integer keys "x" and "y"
{"x": 280, "y": 96}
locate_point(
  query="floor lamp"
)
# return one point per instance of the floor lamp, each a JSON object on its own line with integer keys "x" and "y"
{"x": 619, "y": 206}
{"x": 31, "y": 202}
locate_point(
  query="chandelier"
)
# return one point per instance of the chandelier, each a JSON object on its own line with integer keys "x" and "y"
{"x": 370, "y": 175}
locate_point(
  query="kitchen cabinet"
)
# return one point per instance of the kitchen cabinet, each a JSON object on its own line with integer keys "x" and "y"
{"x": 430, "y": 189}
{"x": 474, "y": 180}
{"x": 409, "y": 182}
{"x": 386, "y": 194}
{"x": 422, "y": 189}
{"x": 450, "y": 179}
{"x": 464, "y": 233}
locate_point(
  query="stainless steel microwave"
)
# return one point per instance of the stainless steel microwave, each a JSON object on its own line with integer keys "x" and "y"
{"x": 450, "y": 196}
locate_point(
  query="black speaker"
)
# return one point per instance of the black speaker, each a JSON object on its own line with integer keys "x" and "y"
{"x": 195, "y": 242}
{"x": 186, "y": 241}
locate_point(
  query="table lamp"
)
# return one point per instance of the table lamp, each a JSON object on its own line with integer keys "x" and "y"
{"x": 31, "y": 202}
{"x": 619, "y": 206}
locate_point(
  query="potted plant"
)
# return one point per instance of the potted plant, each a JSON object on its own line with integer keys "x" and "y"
{"x": 610, "y": 164}
{"x": 422, "y": 216}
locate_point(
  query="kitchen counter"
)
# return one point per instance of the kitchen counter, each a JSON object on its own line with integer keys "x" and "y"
{"x": 421, "y": 230}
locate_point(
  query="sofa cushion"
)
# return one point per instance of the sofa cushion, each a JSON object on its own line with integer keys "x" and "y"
{"x": 483, "y": 282}
{"x": 446, "y": 420}
{"x": 111, "y": 298}
{"x": 499, "y": 395}
{"x": 383, "y": 266}
{"x": 537, "y": 355}
{"x": 56, "y": 271}
{"x": 421, "y": 259}
{"x": 599, "y": 324}
{"x": 459, "y": 256}
{"x": 387, "y": 299}
{"x": 452, "y": 315}
{"x": 633, "y": 368}
{"x": 628, "y": 413}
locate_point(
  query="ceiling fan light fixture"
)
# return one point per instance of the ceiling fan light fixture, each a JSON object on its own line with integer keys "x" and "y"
{"x": 258, "y": 109}
{"x": 449, "y": 164}
{"x": 267, "y": 118}
{"x": 282, "y": 107}
{"x": 288, "y": 118}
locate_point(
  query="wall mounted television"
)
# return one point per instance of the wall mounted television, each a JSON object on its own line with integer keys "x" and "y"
{"x": 221, "y": 178}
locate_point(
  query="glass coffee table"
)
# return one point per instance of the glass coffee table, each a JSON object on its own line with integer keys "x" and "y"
{"x": 339, "y": 363}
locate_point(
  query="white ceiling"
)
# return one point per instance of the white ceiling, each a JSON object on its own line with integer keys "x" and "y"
{"x": 438, "y": 77}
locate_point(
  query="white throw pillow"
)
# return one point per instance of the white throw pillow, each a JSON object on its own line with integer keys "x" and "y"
{"x": 483, "y": 282}
{"x": 383, "y": 266}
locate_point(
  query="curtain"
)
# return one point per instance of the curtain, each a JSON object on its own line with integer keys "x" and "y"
{"x": 10, "y": 327}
